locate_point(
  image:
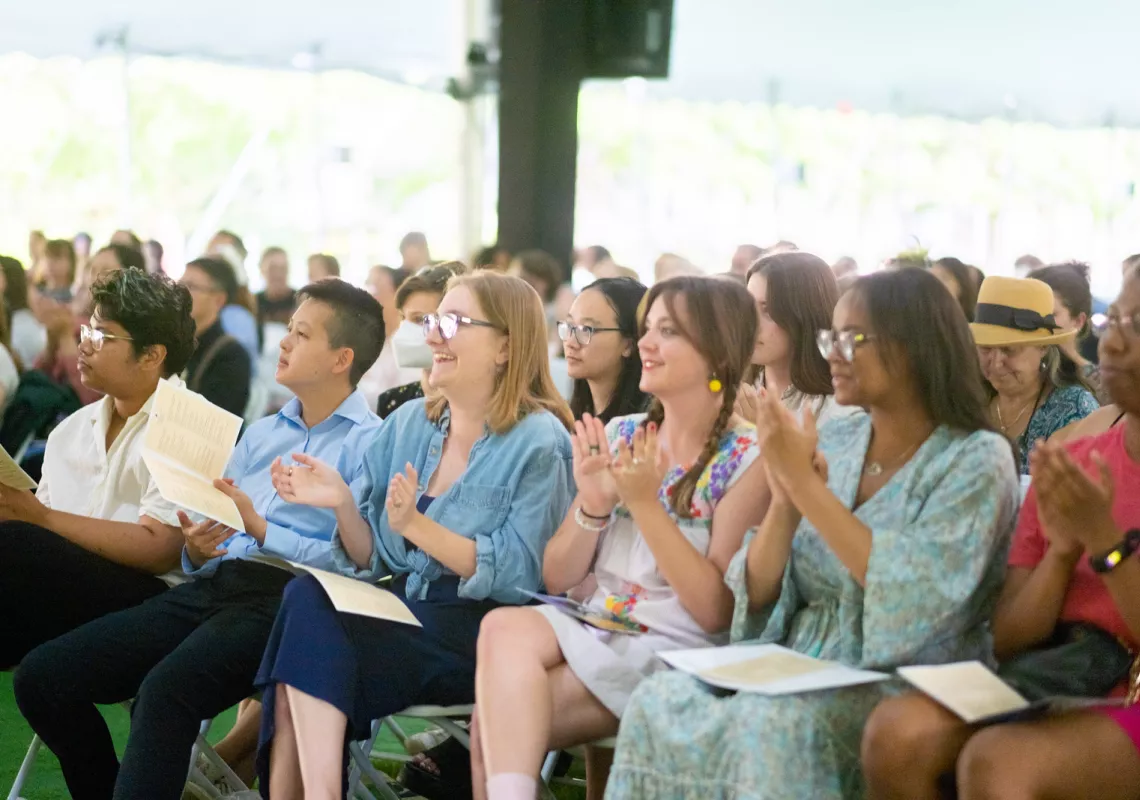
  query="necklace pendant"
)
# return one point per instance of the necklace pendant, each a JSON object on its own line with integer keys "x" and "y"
{"x": 874, "y": 469}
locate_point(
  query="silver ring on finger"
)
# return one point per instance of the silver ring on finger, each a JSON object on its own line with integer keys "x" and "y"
{"x": 595, "y": 450}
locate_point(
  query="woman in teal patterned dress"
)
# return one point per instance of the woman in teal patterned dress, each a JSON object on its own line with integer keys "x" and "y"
{"x": 884, "y": 546}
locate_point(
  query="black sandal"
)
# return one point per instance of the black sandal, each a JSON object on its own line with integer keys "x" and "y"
{"x": 453, "y": 782}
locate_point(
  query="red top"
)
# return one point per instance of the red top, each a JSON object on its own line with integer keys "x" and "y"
{"x": 1087, "y": 599}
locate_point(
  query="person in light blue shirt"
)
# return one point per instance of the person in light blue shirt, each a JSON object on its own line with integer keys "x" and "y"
{"x": 193, "y": 651}
{"x": 462, "y": 491}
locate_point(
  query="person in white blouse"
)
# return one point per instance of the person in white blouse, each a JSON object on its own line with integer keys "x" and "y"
{"x": 97, "y": 536}
{"x": 795, "y": 295}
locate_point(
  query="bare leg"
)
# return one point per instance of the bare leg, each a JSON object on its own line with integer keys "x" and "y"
{"x": 478, "y": 773}
{"x": 239, "y": 747}
{"x": 520, "y": 679}
{"x": 320, "y": 728}
{"x": 910, "y": 745}
{"x": 1084, "y": 756}
{"x": 284, "y": 760}
{"x": 599, "y": 760}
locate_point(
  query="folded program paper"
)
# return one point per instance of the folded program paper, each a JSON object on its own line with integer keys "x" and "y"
{"x": 188, "y": 443}
{"x": 766, "y": 669}
{"x": 12, "y": 475}
{"x": 349, "y": 595}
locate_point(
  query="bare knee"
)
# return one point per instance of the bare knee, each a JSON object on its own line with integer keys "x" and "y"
{"x": 992, "y": 765}
{"x": 909, "y": 741}
{"x": 510, "y": 630}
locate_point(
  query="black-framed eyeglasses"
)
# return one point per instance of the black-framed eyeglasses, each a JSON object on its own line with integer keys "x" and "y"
{"x": 448, "y": 324}
{"x": 1128, "y": 325}
{"x": 581, "y": 333}
{"x": 96, "y": 337}
{"x": 845, "y": 342}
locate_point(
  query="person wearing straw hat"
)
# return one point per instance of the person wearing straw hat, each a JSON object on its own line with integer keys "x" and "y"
{"x": 1036, "y": 388}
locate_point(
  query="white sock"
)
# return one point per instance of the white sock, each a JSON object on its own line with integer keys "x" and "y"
{"x": 511, "y": 786}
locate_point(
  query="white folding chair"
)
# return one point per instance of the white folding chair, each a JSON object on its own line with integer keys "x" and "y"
{"x": 25, "y": 769}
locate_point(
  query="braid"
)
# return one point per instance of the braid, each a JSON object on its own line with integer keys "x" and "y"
{"x": 684, "y": 488}
{"x": 655, "y": 414}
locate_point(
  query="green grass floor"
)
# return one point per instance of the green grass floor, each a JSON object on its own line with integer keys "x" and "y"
{"x": 47, "y": 783}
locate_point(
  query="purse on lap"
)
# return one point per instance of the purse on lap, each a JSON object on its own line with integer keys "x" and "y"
{"x": 1081, "y": 660}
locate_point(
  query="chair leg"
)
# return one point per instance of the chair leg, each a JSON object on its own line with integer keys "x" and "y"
{"x": 25, "y": 768}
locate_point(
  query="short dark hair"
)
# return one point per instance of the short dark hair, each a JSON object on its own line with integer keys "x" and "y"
{"x": 238, "y": 244}
{"x": 16, "y": 284}
{"x": 153, "y": 309}
{"x": 912, "y": 313}
{"x": 220, "y": 272}
{"x": 128, "y": 257}
{"x": 543, "y": 266}
{"x": 486, "y": 256}
{"x": 1070, "y": 284}
{"x": 968, "y": 284}
{"x": 133, "y": 237}
{"x": 802, "y": 293}
{"x": 429, "y": 279}
{"x": 357, "y": 322}
{"x": 599, "y": 253}
{"x": 332, "y": 266}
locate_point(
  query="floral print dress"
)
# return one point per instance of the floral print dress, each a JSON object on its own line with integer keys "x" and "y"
{"x": 941, "y": 528}
{"x": 626, "y": 582}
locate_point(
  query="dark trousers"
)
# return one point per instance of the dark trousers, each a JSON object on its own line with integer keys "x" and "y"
{"x": 185, "y": 656}
{"x": 49, "y": 586}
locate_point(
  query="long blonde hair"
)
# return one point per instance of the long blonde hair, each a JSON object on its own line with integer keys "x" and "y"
{"x": 523, "y": 386}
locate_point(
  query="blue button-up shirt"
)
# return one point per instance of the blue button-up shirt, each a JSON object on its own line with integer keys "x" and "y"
{"x": 295, "y": 532}
{"x": 511, "y": 499}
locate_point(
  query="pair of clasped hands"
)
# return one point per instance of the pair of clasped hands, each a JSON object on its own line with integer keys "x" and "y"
{"x": 1074, "y": 505}
{"x": 308, "y": 481}
{"x": 633, "y": 476}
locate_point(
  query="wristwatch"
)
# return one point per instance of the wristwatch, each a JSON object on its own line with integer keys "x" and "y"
{"x": 1107, "y": 562}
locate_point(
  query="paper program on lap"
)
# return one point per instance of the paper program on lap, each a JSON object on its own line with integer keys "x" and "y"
{"x": 766, "y": 669}
{"x": 350, "y": 596}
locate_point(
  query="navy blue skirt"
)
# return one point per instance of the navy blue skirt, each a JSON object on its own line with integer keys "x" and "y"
{"x": 369, "y": 668}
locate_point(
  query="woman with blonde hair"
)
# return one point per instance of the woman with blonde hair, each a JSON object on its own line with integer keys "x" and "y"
{"x": 464, "y": 488}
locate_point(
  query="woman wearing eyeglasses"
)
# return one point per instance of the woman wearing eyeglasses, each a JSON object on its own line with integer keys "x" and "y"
{"x": 599, "y": 337}
{"x": 465, "y": 488}
{"x": 883, "y": 546}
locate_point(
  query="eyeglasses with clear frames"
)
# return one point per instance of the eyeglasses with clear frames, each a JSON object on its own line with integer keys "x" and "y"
{"x": 1128, "y": 325}
{"x": 96, "y": 337}
{"x": 581, "y": 333}
{"x": 846, "y": 342}
{"x": 448, "y": 324}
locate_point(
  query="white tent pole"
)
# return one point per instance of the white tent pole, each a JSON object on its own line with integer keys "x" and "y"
{"x": 476, "y": 28}
{"x": 126, "y": 160}
{"x": 208, "y": 222}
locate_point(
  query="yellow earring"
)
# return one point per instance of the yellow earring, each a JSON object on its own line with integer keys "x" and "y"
{"x": 715, "y": 386}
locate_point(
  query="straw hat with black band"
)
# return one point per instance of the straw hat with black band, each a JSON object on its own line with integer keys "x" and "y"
{"x": 1016, "y": 311}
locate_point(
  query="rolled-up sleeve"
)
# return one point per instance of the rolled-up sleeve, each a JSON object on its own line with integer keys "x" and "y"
{"x": 509, "y": 558}
{"x": 369, "y": 486}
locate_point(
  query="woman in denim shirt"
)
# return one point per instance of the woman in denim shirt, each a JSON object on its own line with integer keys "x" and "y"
{"x": 491, "y": 443}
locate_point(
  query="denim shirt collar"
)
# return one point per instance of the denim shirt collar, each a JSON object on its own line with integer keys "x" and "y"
{"x": 354, "y": 408}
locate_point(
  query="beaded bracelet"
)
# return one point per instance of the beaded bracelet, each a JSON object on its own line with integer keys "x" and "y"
{"x": 588, "y": 523}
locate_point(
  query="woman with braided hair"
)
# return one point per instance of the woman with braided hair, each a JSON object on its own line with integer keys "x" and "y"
{"x": 663, "y": 502}
{"x": 883, "y": 545}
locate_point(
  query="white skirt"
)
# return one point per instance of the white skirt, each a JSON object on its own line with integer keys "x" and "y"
{"x": 610, "y": 665}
